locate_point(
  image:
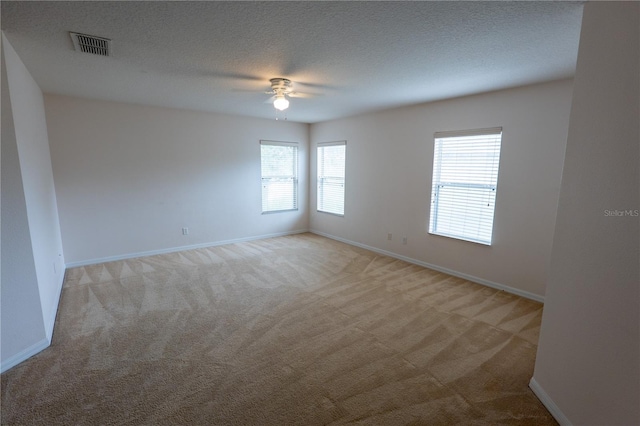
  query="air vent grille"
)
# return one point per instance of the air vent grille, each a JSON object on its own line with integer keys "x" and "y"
{"x": 91, "y": 44}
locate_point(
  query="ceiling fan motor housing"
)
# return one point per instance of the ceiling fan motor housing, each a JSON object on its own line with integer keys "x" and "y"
{"x": 280, "y": 85}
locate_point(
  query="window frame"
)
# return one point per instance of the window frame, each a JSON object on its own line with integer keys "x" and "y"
{"x": 464, "y": 194}
{"x": 294, "y": 177}
{"x": 321, "y": 178}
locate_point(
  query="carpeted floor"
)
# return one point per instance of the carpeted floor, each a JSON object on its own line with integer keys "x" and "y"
{"x": 296, "y": 330}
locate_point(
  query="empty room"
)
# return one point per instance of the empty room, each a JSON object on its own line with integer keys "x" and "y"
{"x": 320, "y": 212}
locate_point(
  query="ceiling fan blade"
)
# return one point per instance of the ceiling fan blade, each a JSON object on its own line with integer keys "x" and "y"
{"x": 243, "y": 91}
{"x": 236, "y": 76}
{"x": 317, "y": 86}
{"x": 270, "y": 100}
{"x": 303, "y": 95}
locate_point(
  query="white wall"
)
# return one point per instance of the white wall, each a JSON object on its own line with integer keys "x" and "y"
{"x": 130, "y": 177}
{"x": 588, "y": 363}
{"x": 32, "y": 262}
{"x": 389, "y": 168}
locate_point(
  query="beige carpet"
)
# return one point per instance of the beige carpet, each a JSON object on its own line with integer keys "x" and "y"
{"x": 297, "y": 330}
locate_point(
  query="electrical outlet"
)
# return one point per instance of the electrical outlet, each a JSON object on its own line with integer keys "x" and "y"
{"x": 185, "y": 231}
{"x": 389, "y": 236}
{"x": 404, "y": 241}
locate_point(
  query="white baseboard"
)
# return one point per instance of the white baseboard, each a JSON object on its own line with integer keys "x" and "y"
{"x": 181, "y": 248}
{"x": 24, "y": 354}
{"x": 468, "y": 277}
{"x": 548, "y": 403}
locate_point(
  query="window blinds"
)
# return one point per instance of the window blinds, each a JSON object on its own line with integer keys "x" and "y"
{"x": 465, "y": 179}
{"x": 331, "y": 177}
{"x": 279, "y": 169}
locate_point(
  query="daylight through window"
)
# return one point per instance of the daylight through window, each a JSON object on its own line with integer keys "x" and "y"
{"x": 465, "y": 180}
{"x": 331, "y": 177}
{"x": 279, "y": 166}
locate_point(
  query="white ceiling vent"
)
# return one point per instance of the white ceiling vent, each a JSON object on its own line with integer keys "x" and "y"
{"x": 91, "y": 44}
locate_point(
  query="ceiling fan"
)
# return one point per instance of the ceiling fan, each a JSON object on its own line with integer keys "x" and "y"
{"x": 280, "y": 89}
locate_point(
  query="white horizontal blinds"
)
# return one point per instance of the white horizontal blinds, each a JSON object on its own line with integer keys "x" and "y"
{"x": 279, "y": 166}
{"x": 465, "y": 179}
{"x": 331, "y": 176}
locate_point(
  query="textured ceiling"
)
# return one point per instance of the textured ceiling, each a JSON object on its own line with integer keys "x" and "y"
{"x": 358, "y": 56}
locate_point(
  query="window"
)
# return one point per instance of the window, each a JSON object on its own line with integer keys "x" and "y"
{"x": 465, "y": 178}
{"x": 279, "y": 165}
{"x": 331, "y": 167}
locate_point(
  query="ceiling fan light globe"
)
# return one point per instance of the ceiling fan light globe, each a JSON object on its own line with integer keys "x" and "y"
{"x": 281, "y": 103}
